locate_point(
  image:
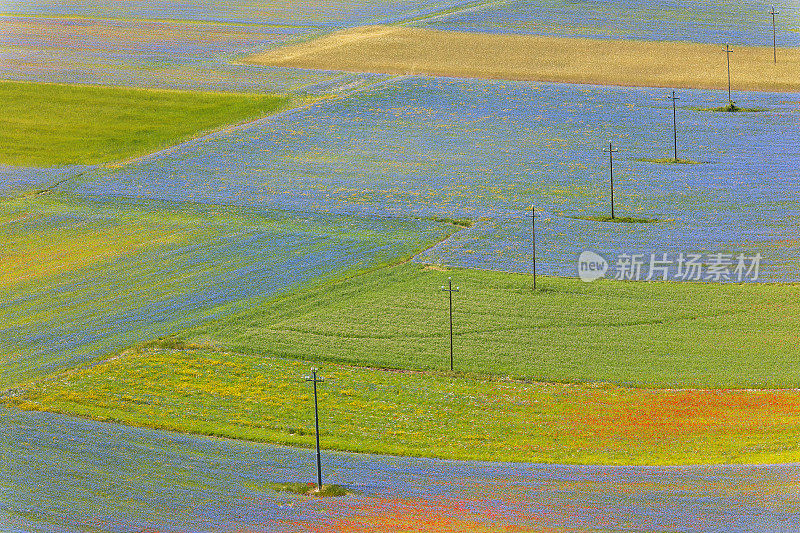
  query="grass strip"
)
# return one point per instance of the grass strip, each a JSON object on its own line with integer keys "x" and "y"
{"x": 434, "y": 414}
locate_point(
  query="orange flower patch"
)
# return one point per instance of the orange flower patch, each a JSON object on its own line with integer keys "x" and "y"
{"x": 632, "y": 413}
{"x": 407, "y": 515}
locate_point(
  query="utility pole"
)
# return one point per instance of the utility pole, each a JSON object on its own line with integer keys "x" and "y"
{"x": 674, "y": 126}
{"x": 533, "y": 242}
{"x": 774, "y": 38}
{"x": 611, "y": 151}
{"x": 728, "y": 53}
{"x": 450, "y": 290}
{"x": 315, "y": 379}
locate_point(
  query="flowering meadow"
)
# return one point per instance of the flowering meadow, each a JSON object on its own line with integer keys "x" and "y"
{"x": 425, "y": 414}
{"x": 81, "y": 278}
{"x": 162, "y": 303}
{"x": 739, "y": 22}
{"x": 13, "y": 179}
{"x": 183, "y": 45}
{"x": 155, "y": 53}
{"x": 488, "y": 150}
{"x": 313, "y": 13}
{"x": 64, "y": 474}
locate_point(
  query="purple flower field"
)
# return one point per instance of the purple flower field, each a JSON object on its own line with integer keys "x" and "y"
{"x": 314, "y": 13}
{"x": 155, "y": 53}
{"x": 363, "y": 171}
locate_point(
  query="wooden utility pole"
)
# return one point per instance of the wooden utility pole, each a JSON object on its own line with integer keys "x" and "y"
{"x": 774, "y": 37}
{"x": 611, "y": 151}
{"x": 728, "y": 53}
{"x": 313, "y": 378}
{"x": 674, "y": 126}
{"x": 450, "y": 290}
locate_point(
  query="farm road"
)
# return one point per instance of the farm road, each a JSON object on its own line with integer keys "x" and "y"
{"x": 66, "y": 474}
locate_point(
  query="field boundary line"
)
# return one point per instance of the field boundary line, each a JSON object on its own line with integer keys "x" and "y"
{"x": 495, "y": 378}
{"x": 253, "y": 123}
{"x": 467, "y": 7}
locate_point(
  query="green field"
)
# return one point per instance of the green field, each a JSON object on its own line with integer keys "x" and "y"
{"x": 569, "y": 373}
{"x": 602, "y": 373}
{"x": 630, "y": 334}
{"x": 81, "y": 277}
{"x": 430, "y": 414}
{"x": 50, "y": 125}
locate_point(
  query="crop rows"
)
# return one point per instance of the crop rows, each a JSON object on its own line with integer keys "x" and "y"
{"x": 81, "y": 279}
{"x": 688, "y": 335}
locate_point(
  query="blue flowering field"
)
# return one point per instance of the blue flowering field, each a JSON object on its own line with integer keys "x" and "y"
{"x": 188, "y": 284}
{"x": 313, "y": 13}
{"x": 745, "y": 22}
{"x": 488, "y": 150}
{"x": 85, "y": 277}
{"x": 64, "y": 474}
{"x": 156, "y": 53}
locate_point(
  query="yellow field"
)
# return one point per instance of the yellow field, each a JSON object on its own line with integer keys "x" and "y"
{"x": 403, "y": 50}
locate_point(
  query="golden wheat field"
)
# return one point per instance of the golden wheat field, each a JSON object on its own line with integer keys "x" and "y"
{"x": 404, "y": 50}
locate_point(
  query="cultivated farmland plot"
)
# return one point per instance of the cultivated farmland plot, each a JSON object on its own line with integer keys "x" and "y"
{"x": 147, "y": 53}
{"x": 489, "y": 150}
{"x": 745, "y": 22}
{"x": 180, "y": 45}
{"x": 119, "y": 273}
{"x": 262, "y": 249}
{"x": 66, "y": 474}
{"x": 315, "y": 13}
